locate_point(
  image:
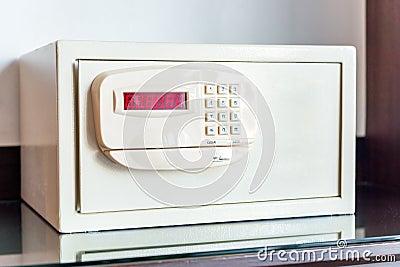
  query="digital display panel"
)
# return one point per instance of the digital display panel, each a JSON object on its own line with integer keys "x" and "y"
{"x": 154, "y": 100}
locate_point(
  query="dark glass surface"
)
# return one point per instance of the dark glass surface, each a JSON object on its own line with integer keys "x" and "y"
{"x": 25, "y": 239}
{"x": 10, "y": 228}
{"x": 378, "y": 211}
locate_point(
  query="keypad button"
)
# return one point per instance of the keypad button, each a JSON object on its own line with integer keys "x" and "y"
{"x": 235, "y": 116}
{"x": 234, "y": 102}
{"x": 210, "y": 103}
{"x": 235, "y": 129}
{"x": 222, "y": 89}
{"x": 222, "y": 130}
{"x": 222, "y": 102}
{"x": 210, "y": 116}
{"x": 222, "y": 116}
{"x": 234, "y": 88}
{"x": 211, "y": 130}
{"x": 210, "y": 89}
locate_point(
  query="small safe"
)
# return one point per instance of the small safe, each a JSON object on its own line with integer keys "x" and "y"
{"x": 118, "y": 135}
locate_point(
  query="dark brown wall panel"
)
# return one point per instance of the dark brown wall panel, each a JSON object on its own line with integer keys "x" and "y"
{"x": 383, "y": 91}
{"x": 10, "y": 173}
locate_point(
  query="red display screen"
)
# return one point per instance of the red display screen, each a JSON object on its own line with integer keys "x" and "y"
{"x": 154, "y": 100}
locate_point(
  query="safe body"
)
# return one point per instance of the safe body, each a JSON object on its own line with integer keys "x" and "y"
{"x": 82, "y": 147}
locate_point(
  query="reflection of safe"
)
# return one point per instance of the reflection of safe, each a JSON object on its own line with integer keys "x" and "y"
{"x": 126, "y": 135}
{"x": 42, "y": 243}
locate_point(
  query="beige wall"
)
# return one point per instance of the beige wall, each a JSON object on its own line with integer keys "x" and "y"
{"x": 26, "y": 25}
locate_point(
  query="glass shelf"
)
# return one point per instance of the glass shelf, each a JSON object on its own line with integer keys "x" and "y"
{"x": 26, "y": 239}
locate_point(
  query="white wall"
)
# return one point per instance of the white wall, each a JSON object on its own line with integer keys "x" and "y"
{"x": 26, "y": 25}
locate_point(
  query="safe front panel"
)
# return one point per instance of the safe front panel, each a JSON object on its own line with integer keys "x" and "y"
{"x": 304, "y": 99}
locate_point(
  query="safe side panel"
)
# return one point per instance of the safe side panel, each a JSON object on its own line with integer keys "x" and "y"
{"x": 39, "y": 131}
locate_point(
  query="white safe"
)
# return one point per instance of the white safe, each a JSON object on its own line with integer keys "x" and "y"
{"x": 121, "y": 135}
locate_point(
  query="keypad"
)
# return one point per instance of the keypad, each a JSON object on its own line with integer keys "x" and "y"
{"x": 211, "y": 130}
{"x": 235, "y": 129}
{"x": 210, "y": 89}
{"x": 234, "y": 88}
{"x": 234, "y": 102}
{"x": 222, "y": 89}
{"x": 222, "y": 116}
{"x": 234, "y": 116}
{"x": 210, "y": 103}
{"x": 222, "y": 130}
{"x": 210, "y": 116}
{"x": 222, "y": 109}
{"x": 222, "y": 102}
